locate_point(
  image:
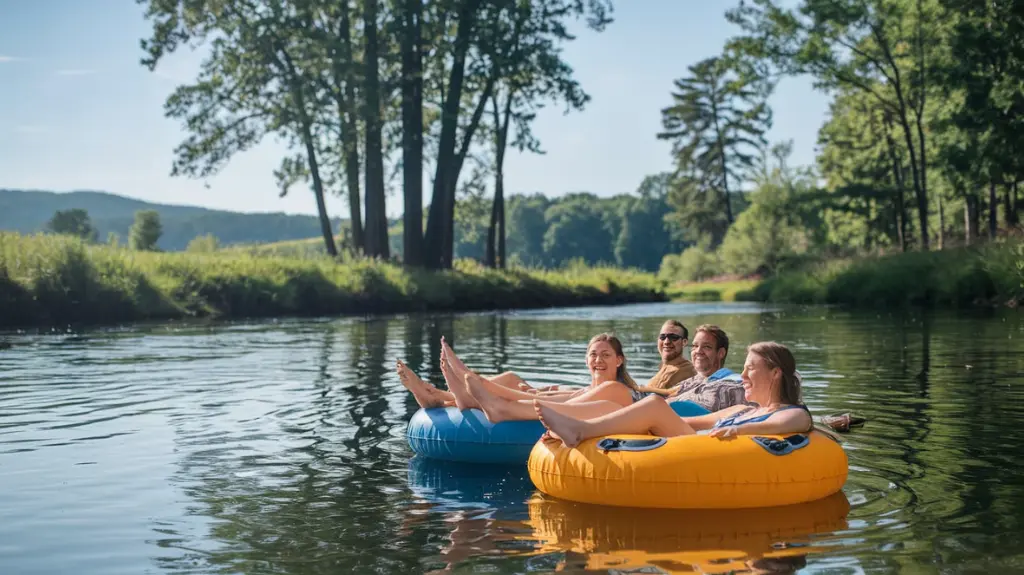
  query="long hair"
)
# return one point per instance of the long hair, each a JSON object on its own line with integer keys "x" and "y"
{"x": 778, "y": 355}
{"x": 621, "y": 374}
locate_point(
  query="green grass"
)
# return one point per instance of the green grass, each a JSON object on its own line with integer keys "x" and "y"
{"x": 60, "y": 280}
{"x": 990, "y": 274}
{"x": 711, "y": 290}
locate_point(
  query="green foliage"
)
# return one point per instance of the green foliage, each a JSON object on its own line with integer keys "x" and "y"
{"x": 991, "y": 274}
{"x": 203, "y": 244}
{"x": 145, "y": 232}
{"x": 52, "y": 280}
{"x": 577, "y": 229}
{"x": 73, "y": 222}
{"x": 717, "y": 125}
{"x": 694, "y": 264}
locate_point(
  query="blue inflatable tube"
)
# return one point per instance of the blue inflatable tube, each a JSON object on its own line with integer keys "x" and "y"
{"x": 450, "y": 434}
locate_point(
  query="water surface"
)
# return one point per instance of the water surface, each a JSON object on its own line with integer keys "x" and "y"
{"x": 278, "y": 447}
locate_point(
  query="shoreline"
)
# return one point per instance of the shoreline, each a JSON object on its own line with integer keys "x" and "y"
{"x": 49, "y": 281}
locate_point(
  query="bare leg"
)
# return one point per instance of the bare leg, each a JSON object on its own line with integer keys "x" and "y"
{"x": 651, "y": 416}
{"x": 426, "y": 395}
{"x": 498, "y": 409}
{"x": 457, "y": 385}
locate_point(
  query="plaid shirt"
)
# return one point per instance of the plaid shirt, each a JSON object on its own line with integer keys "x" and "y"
{"x": 713, "y": 395}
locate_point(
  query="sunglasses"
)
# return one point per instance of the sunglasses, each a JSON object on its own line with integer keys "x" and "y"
{"x": 669, "y": 336}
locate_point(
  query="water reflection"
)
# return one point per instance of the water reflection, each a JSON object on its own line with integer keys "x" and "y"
{"x": 278, "y": 447}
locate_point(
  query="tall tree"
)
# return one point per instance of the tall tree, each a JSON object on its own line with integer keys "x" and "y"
{"x": 376, "y": 215}
{"x": 412, "y": 129}
{"x": 878, "y": 46}
{"x": 717, "y": 125}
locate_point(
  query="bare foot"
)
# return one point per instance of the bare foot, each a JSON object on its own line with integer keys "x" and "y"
{"x": 457, "y": 385}
{"x": 525, "y": 388}
{"x": 451, "y": 358}
{"x": 426, "y": 395}
{"x": 568, "y": 429}
{"x": 495, "y": 408}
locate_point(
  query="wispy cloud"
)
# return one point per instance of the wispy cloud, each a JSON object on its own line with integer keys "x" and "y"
{"x": 30, "y": 129}
{"x": 4, "y": 59}
{"x": 76, "y": 72}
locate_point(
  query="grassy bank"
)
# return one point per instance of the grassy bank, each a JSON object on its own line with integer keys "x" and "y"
{"x": 711, "y": 290}
{"x": 991, "y": 274}
{"x": 57, "y": 280}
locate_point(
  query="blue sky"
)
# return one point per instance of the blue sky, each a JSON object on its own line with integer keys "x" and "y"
{"x": 78, "y": 111}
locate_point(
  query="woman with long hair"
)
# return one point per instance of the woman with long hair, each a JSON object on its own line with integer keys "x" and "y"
{"x": 770, "y": 381}
{"x": 609, "y": 381}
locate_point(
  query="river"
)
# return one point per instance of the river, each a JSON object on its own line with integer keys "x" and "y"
{"x": 279, "y": 447}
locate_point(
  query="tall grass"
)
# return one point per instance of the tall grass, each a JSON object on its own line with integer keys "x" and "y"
{"x": 48, "y": 280}
{"x": 990, "y": 274}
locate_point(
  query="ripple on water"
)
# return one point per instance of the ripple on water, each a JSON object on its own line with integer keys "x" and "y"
{"x": 279, "y": 447}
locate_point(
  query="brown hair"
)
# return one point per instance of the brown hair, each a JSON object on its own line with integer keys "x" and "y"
{"x": 620, "y": 374}
{"x": 721, "y": 339}
{"x": 679, "y": 324}
{"x": 778, "y": 355}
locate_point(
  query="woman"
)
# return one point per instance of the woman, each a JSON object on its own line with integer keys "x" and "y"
{"x": 770, "y": 380}
{"x": 609, "y": 382}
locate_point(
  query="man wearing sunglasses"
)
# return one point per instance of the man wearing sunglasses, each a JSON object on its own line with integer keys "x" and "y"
{"x": 713, "y": 386}
{"x": 672, "y": 339}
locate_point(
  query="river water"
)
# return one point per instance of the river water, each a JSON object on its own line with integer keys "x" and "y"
{"x": 279, "y": 447}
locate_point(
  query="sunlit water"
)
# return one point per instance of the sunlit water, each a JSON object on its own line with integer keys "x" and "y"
{"x": 279, "y": 447}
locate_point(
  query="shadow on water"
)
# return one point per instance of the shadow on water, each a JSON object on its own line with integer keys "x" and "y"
{"x": 279, "y": 447}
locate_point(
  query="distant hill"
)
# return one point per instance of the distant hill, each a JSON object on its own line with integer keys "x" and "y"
{"x": 28, "y": 211}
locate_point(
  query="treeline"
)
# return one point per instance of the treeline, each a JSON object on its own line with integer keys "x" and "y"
{"x": 921, "y": 149}
{"x": 367, "y": 90}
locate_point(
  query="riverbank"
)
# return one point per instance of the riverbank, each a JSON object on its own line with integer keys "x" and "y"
{"x": 712, "y": 290}
{"x": 48, "y": 280}
{"x": 989, "y": 275}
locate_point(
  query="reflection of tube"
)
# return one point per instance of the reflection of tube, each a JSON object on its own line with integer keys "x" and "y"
{"x": 681, "y": 541}
{"x": 456, "y": 485}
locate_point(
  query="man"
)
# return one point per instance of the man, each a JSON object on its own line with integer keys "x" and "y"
{"x": 672, "y": 339}
{"x": 714, "y": 387}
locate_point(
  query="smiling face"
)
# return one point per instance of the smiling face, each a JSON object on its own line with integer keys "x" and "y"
{"x": 602, "y": 361}
{"x": 671, "y": 342}
{"x": 705, "y": 354}
{"x": 760, "y": 380}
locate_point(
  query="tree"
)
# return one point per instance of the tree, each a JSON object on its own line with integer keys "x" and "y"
{"x": 73, "y": 222}
{"x": 252, "y": 84}
{"x": 644, "y": 237}
{"x": 376, "y": 216}
{"x": 412, "y": 129}
{"x": 717, "y": 125}
{"x": 146, "y": 230}
{"x": 576, "y": 229}
{"x": 881, "y": 47}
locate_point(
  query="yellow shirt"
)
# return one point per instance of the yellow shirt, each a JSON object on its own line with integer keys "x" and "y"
{"x": 672, "y": 373}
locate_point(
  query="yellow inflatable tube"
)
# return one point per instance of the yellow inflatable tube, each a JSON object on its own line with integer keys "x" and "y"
{"x": 691, "y": 472}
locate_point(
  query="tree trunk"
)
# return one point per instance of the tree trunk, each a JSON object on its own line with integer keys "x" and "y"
{"x": 412, "y": 132}
{"x": 497, "y": 225}
{"x": 1010, "y": 205}
{"x": 725, "y": 165}
{"x": 942, "y": 222}
{"x": 442, "y": 207}
{"x": 456, "y": 169}
{"x": 345, "y": 71}
{"x": 970, "y": 218}
{"x": 376, "y": 216}
{"x": 993, "y": 209}
{"x": 306, "y": 126}
{"x": 919, "y": 193}
{"x": 898, "y": 180}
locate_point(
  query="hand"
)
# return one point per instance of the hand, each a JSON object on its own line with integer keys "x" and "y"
{"x": 727, "y": 432}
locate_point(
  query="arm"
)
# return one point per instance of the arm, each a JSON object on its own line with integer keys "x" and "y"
{"x": 699, "y": 422}
{"x": 780, "y": 423}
